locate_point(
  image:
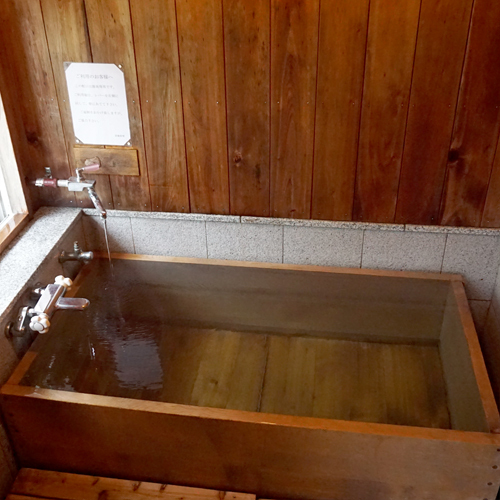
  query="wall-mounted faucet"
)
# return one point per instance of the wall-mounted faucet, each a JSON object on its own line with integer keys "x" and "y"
{"x": 78, "y": 183}
{"x": 76, "y": 254}
{"x": 51, "y": 298}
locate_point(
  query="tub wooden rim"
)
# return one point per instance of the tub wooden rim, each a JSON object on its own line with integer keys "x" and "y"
{"x": 291, "y": 267}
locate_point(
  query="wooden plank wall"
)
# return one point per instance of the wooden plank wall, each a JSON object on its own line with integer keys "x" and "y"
{"x": 372, "y": 110}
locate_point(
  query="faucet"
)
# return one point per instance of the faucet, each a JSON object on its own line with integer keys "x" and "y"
{"x": 78, "y": 183}
{"x": 77, "y": 254}
{"x": 51, "y": 299}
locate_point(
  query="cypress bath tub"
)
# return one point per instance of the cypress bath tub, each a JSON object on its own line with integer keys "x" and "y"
{"x": 280, "y": 380}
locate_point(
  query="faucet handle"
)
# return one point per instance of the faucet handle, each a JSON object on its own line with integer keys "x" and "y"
{"x": 90, "y": 168}
{"x": 90, "y": 165}
{"x": 87, "y": 168}
{"x": 40, "y": 323}
{"x": 61, "y": 280}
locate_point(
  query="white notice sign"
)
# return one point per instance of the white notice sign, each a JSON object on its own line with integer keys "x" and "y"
{"x": 98, "y": 103}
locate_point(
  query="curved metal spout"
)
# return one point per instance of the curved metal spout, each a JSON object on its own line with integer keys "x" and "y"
{"x": 97, "y": 202}
{"x": 78, "y": 183}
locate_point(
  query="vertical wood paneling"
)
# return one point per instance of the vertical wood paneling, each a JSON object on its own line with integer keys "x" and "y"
{"x": 477, "y": 122}
{"x": 32, "y": 95}
{"x": 438, "y": 66}
{"x": 391, "y": 42}
{"x": 111, "y": 42}
{"x": 491, "y": 213}
{"x": 67, "y": 38}
{"x": 246, "y": 108}
{"x": 341, "y": 63}
{"x": 294, "y": 48}
{"x": 155, "y": 38}
{"x": 201, "y": 49}
{"x": 247, "y": 56}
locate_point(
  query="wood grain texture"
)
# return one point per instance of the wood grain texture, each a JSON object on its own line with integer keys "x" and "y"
{"x": 64, "y": 486}
{"x": 391, "y": 43}
{"x": 442, "y": 38}
{"x": 392, "y": 384}
{"x": 418, "y": 275}
{"x": 114, "y": 161}
{"x": 247, "y": 57}
{"x": 32, "y": 98}
{"x": 157, "y": 56}
{"x": 341, "y": 63}
{"x": 269, "y": 455}
{"x": 287, "y": 108}
{"x": 214, "y": 368}
{"x": 490, "y": 346}
{"x": 491, "y": 213}
{"x": 477, "y": 123}
{"x": 111, "y": 40}
{"x": 294, "y": 49}
{"x": 67, "y": 37}
{"x": 201, "y": 49}
{"x": 475, "y": 361}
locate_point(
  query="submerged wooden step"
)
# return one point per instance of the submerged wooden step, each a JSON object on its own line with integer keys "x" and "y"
{"x": 39, "y": 484}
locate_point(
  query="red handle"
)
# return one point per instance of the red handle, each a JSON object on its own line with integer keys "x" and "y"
{"x": 91, "y": 168}
{"x": 50, "y": 182}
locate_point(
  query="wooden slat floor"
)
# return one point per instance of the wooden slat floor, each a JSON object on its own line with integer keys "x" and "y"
{"x": 39, "y": 484}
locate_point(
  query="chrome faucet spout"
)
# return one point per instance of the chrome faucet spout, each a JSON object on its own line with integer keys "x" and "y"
{"x": 97, "y": 202}
{"x": 78, "y": 183}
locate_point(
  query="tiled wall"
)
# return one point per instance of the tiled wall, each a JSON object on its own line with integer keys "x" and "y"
{"x": 474, "y": 253}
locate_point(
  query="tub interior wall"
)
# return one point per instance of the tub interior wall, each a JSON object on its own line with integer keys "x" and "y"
{"x": 341, "y": 346}
{"x": 32, "y": 258}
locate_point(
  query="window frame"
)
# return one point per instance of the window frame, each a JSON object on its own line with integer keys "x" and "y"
{"x": 11, "y": 188}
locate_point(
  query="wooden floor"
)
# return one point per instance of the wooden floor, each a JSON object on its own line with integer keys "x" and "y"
{"x": 302, "y": 376}
{"x": 33, "y": 484}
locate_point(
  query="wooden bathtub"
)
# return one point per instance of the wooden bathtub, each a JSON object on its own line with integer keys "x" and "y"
{"x": 280, "y": 380}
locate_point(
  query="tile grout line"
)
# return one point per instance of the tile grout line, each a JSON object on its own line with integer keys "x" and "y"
{"x": 444, "y": 253}
{"x": 206, "y": 239}
{"x": 132, "y": 234}
{"x": 282, "y": 244}
{"x": 362, "y": 248}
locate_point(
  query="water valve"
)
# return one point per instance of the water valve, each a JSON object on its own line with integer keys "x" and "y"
{"x": 61, "y": 280}
{"x": 50, "y": 299}
{"x": 40, "y": 323}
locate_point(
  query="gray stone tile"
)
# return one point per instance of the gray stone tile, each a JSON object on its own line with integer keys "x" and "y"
{"x": 403, "y": 251}
{"x": 322, "y": 223}
{"x": 452, "y": 230}
{"x": 322, "y": 246}
{"x": 178, "y": 238}
{"x": 495, "y": 299}
{"x": 119, "y": 234}
{"x": 479, "y": 310}
{"x": 477, "y": 259}
{"x": 252, "y": 242}
{"x": 166, "y": 215}
{"x": 28, "y": 251}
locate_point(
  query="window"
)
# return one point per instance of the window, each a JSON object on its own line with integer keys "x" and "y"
{"x": 13, "y": 211}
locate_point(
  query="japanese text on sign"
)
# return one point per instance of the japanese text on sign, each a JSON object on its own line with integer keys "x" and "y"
{"x": 98, "y": 102}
